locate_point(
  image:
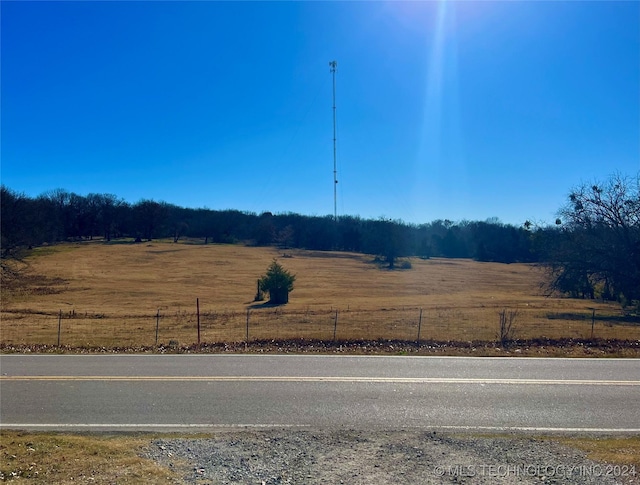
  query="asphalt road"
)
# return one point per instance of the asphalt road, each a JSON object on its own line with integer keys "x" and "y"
{"x": 201, "y": 392}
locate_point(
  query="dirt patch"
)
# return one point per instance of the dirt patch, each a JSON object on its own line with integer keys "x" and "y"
{"x": 378, "y": 456}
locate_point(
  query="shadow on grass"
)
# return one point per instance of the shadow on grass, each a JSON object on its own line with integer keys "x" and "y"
{"x": 121, "y": 242}
{"x": 613, "y": 319}
{"x": 266, "y": 304}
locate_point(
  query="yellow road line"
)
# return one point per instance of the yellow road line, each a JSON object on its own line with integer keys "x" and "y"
{"x": 380, "y": 380}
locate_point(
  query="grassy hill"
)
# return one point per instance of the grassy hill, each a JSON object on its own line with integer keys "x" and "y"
{"x": 111, "y": 294}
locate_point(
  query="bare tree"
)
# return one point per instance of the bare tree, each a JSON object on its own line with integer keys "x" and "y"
{"x": 506, "y": 330}
{"x": 597, "y": 251}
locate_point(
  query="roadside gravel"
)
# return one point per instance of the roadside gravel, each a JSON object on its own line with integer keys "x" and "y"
{"x": 285, "y": 456}
{"x": 539, "y": 347}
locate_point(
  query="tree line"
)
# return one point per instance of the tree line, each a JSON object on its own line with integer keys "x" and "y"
{"x": 60, "y": 215}
{"x": 593, "y": 250}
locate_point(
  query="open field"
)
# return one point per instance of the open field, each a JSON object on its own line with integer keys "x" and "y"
{"x": 112, "y": 294}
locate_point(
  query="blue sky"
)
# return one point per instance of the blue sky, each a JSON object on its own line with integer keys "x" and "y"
{"x": 458, "y": 110}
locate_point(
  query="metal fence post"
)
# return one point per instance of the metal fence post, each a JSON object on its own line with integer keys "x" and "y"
{"x": 247, "y": 337}
{"x": 157, "y": 325}
{"x": 59, "y": 326}
{"x": 198, "y": 317}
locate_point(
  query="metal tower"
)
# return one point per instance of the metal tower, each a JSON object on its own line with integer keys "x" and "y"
{"x": 333, "y": 65}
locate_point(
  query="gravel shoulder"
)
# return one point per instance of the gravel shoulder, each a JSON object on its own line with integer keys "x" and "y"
{"x": 285, "y": 456}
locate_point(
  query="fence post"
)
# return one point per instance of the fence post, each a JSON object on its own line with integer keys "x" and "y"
{"x": 247, "y": 337}
{"x": 198, "y": 317}
{"x": 59, "y": 325}
{"x": 157, "y": 325}
{"x": 335, "y": 325}
{"x": 419, "y": 326}
{"x": 593, "y": 321}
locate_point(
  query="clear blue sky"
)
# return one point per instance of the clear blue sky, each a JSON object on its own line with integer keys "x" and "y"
{"x": 458, "y": 110}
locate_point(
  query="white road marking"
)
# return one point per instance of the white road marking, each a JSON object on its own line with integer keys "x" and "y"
{"x": 538, "y": 429}
{"x": 381, "y": 380}
{"x": 144, "y": 425}
{"x": 266, "y": 356}
{"x": 192, "y": 426}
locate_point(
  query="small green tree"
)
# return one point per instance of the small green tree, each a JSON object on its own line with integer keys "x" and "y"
{"x": 278, "y": 282}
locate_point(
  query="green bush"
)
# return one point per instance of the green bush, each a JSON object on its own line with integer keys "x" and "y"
{"x": 278, "y": 282}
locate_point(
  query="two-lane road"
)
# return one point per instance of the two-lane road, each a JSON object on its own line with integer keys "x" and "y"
{"x": 209, "y": 391}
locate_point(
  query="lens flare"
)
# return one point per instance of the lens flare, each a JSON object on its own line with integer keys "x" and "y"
{"x": 439, "y": 164}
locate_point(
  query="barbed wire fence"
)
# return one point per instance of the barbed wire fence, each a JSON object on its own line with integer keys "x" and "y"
{"x": 180, "y": 326}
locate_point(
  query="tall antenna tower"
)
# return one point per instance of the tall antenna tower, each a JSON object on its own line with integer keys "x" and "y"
{"x": 333, "y": 65}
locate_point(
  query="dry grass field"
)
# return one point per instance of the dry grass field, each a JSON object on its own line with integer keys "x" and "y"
{"x": 45, "y": 458}
{"x": 110, "y": 295}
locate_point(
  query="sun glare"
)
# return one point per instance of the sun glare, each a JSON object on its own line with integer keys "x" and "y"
{"x": 440, "y": 156}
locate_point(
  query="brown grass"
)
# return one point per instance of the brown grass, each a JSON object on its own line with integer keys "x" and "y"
{"x": 66, "y": 458}
{"x": 109, "y": 294}
{"x": 624, "y": 451}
